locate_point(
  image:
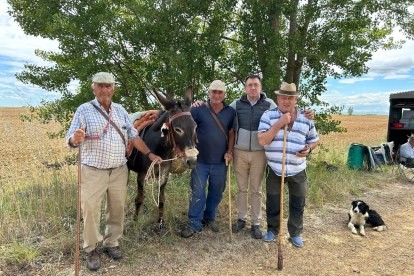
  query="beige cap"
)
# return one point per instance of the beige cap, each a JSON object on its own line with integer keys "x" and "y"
{"x": 217, "y": 85}
{"x": 287, "y": 89}
{"x": 103, "y": 77}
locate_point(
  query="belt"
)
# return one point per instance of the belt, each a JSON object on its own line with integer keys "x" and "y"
{"x": 108, "y": 169}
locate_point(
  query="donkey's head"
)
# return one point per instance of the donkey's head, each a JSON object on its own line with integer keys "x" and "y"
{"x": 181, "y": 126}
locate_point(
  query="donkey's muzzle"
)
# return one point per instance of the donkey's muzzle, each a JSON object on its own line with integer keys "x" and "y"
{"x": 189, "y": 162}
{"x": 190, "y": 159}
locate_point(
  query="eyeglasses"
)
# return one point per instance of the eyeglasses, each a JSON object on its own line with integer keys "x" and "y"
{"x": 255, "y": 85}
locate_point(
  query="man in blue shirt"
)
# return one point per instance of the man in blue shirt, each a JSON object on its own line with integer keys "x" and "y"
{"x": 214, "y": 148}
{"x": 104, "y": 169}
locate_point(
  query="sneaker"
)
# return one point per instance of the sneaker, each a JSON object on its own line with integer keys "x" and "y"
{"x": 94, "y": 260}
{"x": 113, "y": 252}
{"x": 210, "y": 224}
{"x": 239, "y": 225}
{"x": 188, "y": 232}
{"x": 269, "y": 236}
{"x": 256, "y": 233}
{"x": 297, "y": 241}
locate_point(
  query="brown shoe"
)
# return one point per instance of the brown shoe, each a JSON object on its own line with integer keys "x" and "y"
{"x": 94, "y": 260}
{"x": 113, "y": 252}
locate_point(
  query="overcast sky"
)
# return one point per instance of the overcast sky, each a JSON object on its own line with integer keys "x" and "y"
{"x": 390, "y": 72}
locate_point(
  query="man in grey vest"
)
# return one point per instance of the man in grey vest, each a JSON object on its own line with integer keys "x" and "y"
{"x": 249, "y": 156}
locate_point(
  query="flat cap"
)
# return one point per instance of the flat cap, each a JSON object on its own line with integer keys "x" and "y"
{"x": 217, "y": 85}
{"x": 103, "y": 77}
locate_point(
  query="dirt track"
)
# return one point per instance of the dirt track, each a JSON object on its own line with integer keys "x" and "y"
{"x": 329, "y": 246}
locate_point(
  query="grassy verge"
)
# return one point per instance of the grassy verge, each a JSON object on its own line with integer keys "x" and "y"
{"x": 38, "y": 215}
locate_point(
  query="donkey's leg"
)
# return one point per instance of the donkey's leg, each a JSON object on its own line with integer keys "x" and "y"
{"x": 140, "y": 195}
{"x": 161, "y": 200}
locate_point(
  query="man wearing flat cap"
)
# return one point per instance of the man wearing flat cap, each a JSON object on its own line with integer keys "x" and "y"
{"x": 301, "y": 139}
{"x": 407, "y": 152}
{"x": 102, "y": 128}
{"x": 215, "y": 134}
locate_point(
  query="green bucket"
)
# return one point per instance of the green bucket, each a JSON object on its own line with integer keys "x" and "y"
{"x": 355, "y": 156}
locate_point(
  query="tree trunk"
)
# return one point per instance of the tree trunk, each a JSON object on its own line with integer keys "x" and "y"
{"x": 293, "y": 28}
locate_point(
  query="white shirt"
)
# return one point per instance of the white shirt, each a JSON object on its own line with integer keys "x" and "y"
{"x": 406, "y": 150}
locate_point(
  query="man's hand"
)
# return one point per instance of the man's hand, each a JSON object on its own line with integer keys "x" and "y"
{"x": 78, "y": 136}
{"x": 197, "y": 103}
{"x": 228, "y": 156}
{"x": 152, "y": 157}
{"x": 150, "y": 114}
{"x": 309, "y": 114}
{"x": 285, "y": 119}
{"x": 304, "y": 153}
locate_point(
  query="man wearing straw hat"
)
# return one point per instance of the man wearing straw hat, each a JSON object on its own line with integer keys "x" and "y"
{"x": 301, "y": 139}
{"x": 104, "y": 169}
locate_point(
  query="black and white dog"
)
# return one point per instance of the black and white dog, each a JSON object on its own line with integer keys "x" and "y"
{"x": 360, "y": 214}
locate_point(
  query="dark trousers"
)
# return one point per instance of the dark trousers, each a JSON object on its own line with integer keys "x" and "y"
{"x": 297, "y": 193}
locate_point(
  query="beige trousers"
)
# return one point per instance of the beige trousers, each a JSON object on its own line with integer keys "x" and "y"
{"x": 95, "y": 183}
{"x": 249, "y": 166}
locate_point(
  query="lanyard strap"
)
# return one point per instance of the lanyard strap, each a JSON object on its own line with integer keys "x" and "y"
{"x": 110, "y": 122}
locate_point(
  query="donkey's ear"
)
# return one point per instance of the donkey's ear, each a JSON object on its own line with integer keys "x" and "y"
{"x": 188, "y": 99}
{"x": 167, "y": 104}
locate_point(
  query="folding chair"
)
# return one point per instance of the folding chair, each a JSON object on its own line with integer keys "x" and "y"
{"x": 401, "y": 167}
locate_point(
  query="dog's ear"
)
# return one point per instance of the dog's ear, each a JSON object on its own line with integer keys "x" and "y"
{"x": 354, "y": 202}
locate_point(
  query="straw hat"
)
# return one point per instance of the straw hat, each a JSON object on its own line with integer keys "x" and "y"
{"x": 287, "y": 89}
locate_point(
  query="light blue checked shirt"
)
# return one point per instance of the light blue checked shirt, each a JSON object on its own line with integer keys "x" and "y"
{"x": 108, "y": 152}
{"x": 303, "y": 132}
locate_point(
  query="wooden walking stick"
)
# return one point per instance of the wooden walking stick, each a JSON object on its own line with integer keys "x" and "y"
{"x": 78, "y": 214}
{"x": 228, "y": 176}
{"x": 282, "y": 184}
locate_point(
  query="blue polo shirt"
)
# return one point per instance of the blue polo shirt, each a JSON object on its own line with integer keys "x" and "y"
{"x": 211, "y": 140}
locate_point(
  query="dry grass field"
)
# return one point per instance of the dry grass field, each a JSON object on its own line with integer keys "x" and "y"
{"x": 25, "y": 145}
{"x": 369, "y": 130}
{"x": 38, "y": 215}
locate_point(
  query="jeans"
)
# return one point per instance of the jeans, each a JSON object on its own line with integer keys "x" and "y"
{"x": 202, "y": 206}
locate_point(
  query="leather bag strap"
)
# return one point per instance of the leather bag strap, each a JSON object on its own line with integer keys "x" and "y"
{"x": 218, "y": 123}
{"x": 112, "y": 123}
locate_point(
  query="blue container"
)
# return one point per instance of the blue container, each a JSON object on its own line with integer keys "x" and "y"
{"x": 380, "y": 157}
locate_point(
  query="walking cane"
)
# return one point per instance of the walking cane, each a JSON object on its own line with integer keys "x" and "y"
{"x": 78, "y": 214}
{"x": 280, "y": 247}
{"x": 228, "y": 176}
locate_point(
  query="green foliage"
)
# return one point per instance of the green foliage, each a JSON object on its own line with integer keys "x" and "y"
{"x": 18, "y": 254}
{"x": 350, "y": 110}
{"x": 171, "y": 44}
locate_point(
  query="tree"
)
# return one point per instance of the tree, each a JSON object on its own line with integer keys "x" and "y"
{"x": 350, "y": 110}
{"x": 172, "y": 43}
